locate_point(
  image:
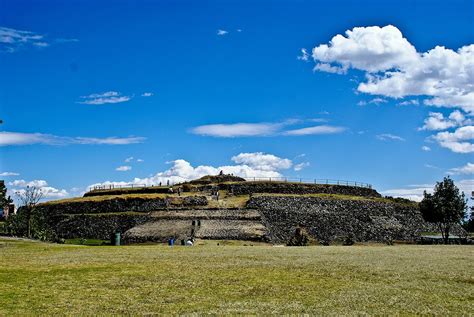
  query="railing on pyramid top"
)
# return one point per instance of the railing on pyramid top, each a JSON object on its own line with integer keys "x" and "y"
{"x": 320, "y": 181}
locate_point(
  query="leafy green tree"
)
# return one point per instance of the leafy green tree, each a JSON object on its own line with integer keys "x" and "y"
{"x": 445, "y": 207}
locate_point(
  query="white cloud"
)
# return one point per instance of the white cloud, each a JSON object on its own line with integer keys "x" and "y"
{"x": 321, "y": 129}
{"x": 264, "y": 129}
{"x": 304, "y": 55}
{"x": 129, "y": 159}
{"x": 318, "y": 120}
{"x": 412, "y": 193}
{"x": 33, "y": 183}
{"x": 140, "y": 160}
{"x": 237, "y": 129}
{"x": 262, "y": 161}
{"x": 48, "y": 192}
{"x": 123, "y": 168}
{"x": 415, "y": 192}
{"x": 376, "y": 101}
{"x": 388, "y": 137}
{"x": 328, "y": 68}
{"x": 11, "y": 40}
{"x": 395, "y": 69}
{"x": 436, "y": 121}
{"x": 466, "y": 169}
{"x": 426, "y": 148}
{"x": 109, "y": 140}
{"x": 42, "y": 185}
{"x": 300, "y": 166}
{"x": 108, "y": 97}
{"x": 40, "y": 44}
{"x": 248, "y": 165}
{"x": 70, "y": 40}
{"x": 457, "y": 141}
{"x": 9, "y": 174}
{"x": 222, "y": 32}
{"x": 147, "y": 94}
{"x": 17, "y": 138}
{"x": 412, "y": 102}
{"x": 371, "y": 49}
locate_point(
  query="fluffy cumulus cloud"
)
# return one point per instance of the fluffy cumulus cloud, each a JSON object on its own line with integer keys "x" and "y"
{"x": 108, "y": 97}
{"x": 459, "y": 141}
{"x": 426, "y": 148}
{"x": 372, "y": 49}
{"x": 395, "y": 69}
{"x": 262, "y": 161}
{"x": 18, "y": 188}
{"x": 437, "y": 121}
{"x": 266, "y": 129}
{"x": 248, "y": 165}
{"x": 18, "y": 138}
{"x": 222, "y": 32}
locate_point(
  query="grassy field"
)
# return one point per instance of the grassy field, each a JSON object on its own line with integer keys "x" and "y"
{"x": 39, "y": 278}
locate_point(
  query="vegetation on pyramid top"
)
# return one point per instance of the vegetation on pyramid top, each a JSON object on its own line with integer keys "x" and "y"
{"x": 221, "y": 178}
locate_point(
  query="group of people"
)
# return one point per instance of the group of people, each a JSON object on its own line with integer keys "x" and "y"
{"x": 186, "y": 242}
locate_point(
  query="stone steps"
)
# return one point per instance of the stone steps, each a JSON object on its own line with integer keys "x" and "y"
{"x": 196, "y": 214}
{"x": 232, "y": 224}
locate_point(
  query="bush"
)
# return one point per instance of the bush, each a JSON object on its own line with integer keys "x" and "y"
{"x": 299, "y": 239}
{"x": 348, "y": 241}
{"x": 187, "y": 187}
{"x": 16, "y": 225}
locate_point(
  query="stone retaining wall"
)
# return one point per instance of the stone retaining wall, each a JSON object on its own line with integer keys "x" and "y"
{"x": 122, "y": 204}
{"x": 246, "y": 188}
{"x": 98, "y": 226}
{"x": 328, "y": 219}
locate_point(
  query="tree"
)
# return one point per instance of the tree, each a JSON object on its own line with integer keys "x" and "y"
{"x": 29, "y": 198}
{"x": 469, "y": 223}
{"x": 4, "y": 200}
{"x": 445, "y": 207}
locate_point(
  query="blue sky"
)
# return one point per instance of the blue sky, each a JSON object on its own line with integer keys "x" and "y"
{"x": 84, "y": 85}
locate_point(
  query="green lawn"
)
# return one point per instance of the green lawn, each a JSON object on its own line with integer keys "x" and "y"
{"x": 39, "y": 278}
